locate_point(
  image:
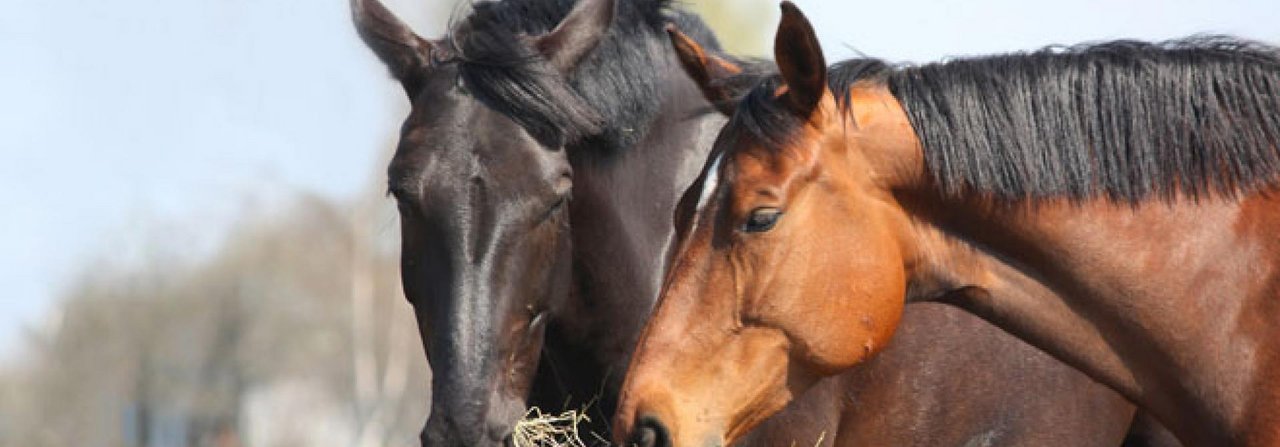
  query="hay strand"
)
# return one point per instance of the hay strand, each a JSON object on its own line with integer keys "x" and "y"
{"x": 549, "y": 430}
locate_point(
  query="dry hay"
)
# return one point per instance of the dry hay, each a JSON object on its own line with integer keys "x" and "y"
{"x": 536, "y": 429}
{"x": 549, "y": 430}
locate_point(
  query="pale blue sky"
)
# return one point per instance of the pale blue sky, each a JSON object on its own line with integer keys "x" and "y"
{"x": 160, "y": 120}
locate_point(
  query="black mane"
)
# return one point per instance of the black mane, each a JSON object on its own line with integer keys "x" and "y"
{"x": 1123, "y": 120}
{"x": 611, "y": 95}
{"x": 760, "y": 113}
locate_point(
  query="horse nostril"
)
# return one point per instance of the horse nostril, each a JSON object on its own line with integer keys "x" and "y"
{"x": 650, "y": 433}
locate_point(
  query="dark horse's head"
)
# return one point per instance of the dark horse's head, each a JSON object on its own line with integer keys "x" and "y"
{"x": 482, "y": 179}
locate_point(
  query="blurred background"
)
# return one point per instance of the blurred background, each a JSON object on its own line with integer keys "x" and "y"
{"x": 194, "y": 240}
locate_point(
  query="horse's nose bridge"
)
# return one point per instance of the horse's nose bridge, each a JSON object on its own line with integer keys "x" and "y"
{"x": 464, "y": 348}
{"x": 688, "y": 299}
{"x": 468, "y": 328}
{"x": 471, "y": 303}
{"x": 459, "y": 389}
{"x": 471, "y": 400}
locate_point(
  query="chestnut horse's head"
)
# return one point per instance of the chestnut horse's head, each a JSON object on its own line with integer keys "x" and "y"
{"x": 798, "y": 236}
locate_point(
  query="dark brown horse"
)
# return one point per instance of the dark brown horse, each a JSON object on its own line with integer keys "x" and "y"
{"x": 1112, "y": 204}
{"x": 533, "y": 118}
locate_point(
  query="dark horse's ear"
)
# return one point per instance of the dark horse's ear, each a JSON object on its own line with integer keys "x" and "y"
{"x": 799, "y": 58}
{"x": 405, "y": 54}
{"x": 706, "y": 69}
{"x": 576, "y": 35}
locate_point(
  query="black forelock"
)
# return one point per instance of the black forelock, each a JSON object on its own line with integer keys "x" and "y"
{"x": 768, "y": 119}
{"x": 1122, "y": 120}
{"x": 609, "y": 98}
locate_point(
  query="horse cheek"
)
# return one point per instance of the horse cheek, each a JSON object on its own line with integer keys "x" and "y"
{"x": 857, "y": 304}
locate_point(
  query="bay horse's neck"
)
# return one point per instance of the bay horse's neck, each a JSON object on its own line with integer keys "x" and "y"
{"x": 1174, "y": 304}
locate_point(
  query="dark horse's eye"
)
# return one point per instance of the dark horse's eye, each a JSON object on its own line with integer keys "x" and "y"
{"x": 559, "y": 203}
{"x": 761, "y": 220}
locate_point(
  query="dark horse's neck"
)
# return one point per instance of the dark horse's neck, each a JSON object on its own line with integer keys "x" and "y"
{"x": 626, "y": 182}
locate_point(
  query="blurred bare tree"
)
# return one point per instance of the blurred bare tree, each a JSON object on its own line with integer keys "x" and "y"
{"x": 223, "y": 352}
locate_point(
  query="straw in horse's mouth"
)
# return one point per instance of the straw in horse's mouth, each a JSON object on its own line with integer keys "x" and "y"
{"x": 548, "y": 430}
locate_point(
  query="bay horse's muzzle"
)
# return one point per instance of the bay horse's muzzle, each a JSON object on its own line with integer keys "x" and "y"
{"x": 650, "y": 432}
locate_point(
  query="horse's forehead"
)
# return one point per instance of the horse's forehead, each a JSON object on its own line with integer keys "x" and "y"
{"x": 445, "y": 107}
{"x": 450, "y": 125}
{"x": 757, "y": 166}
{"x": 752, "y": 166}
{"x": 709, "y": 185}
{"x": 445, "y": 160}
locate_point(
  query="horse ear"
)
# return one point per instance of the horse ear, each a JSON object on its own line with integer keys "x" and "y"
{"x": 706, "y": 69}
{"x": 799, "y": 58}
{"x": 578, "y": 34}
{"x": 404, "y": 53}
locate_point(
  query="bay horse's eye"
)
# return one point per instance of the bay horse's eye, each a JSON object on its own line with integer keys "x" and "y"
{"x": 761, "y": 220}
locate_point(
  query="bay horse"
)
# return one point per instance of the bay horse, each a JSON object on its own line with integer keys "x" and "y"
{"x": 1113, "y": 204}
{"x": 547, "y": 145}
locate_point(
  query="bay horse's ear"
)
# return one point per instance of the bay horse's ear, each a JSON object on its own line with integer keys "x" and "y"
{"x": 706, "y": 69}
{"x": 578, "y": 34}
{"x": 799, "y": 58}
{"x": 405, "y": 54}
